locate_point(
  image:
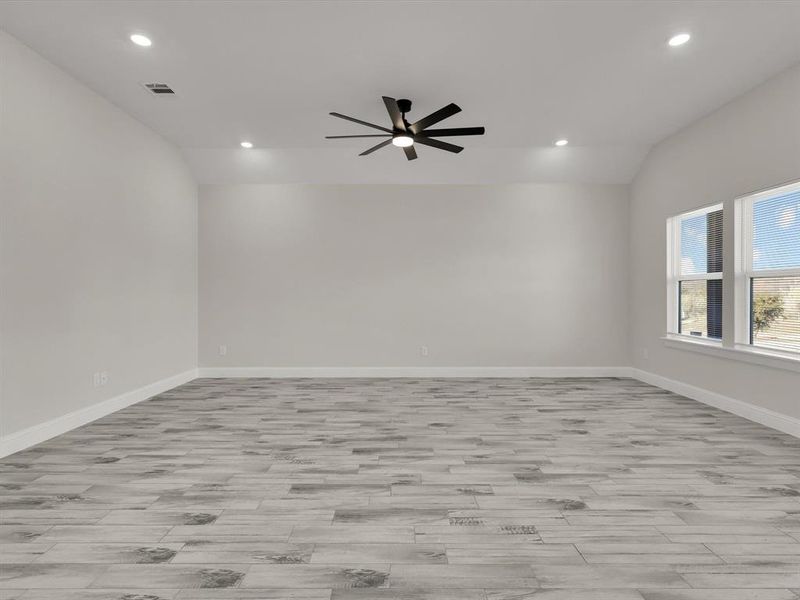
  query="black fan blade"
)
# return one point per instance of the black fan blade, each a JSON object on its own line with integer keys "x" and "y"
{"x": 455, "y": 131}
{"x": 421, "y": 139}
{"x": 378, "y": 147}
{"x": 346, "y": 118}
{"x": 442, "y": 113}
{"x": 368, "y": 135}
{"x": 394, "y": 113}
{"x": 411, "y": 154}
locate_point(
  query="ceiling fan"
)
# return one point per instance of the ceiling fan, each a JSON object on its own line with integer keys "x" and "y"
{"x": 404, "y": 134}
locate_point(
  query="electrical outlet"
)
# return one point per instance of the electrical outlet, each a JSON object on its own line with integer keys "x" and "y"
{"x": 96, "y": 380}
{"x": 104, "y": 378}
{"x": 423, "y": 350}
{"x": 223, "y": 350}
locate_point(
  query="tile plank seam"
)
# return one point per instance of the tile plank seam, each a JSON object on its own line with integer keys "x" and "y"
{"x": 398, "y": 488}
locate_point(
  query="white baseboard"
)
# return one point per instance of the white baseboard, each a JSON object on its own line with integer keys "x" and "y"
{"x": 417, "y": 372}
{"x": 44, "y": 431}
{"x": 764, "y": 416}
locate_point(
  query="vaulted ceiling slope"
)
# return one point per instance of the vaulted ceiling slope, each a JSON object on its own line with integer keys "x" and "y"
{"x": 598, "y": 73}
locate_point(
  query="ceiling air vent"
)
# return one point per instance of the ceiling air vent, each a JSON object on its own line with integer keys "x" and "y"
{"x": 159, "y": 88}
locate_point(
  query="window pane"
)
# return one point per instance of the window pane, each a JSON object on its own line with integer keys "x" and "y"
{"x": 775, "y": 315}
{"x": 776, "y": 232}
{"x": 701, "y": 243}
{"x": 701, "y": 308}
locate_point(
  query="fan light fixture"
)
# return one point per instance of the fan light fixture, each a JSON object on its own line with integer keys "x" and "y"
{"x": 403, "y": 141}
{"x": 679, "y": 39}
{"x": 141, "y": 40}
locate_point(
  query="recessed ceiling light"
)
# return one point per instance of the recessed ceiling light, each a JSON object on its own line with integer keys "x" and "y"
{"x": 141, "y": 40}
{"x": 247, "y": 144}
{"x": 679, "y": 39}
{"x": 562, "y": 143}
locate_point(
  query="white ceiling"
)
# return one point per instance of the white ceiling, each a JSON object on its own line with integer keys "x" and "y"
{"x": 596, "y": 72}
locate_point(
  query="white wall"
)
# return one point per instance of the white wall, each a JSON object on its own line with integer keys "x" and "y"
{"x": 343, "y": 276}
{"x": 97, "y": 247}
{"x": 749, "y": 144}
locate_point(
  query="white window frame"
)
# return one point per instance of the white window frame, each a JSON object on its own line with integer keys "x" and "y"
{"x": 674, "y": 276}
{"x": 744, "y": 271}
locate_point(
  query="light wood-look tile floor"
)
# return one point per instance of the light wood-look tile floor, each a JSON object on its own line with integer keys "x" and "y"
{"x": 406, "y": 489}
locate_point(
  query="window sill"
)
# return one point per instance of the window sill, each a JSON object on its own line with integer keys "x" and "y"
{"x": 776, "y": 360}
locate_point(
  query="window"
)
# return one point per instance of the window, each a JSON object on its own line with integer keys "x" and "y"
{"x": 768, "y": 269}
{"x": 695, "y": 273}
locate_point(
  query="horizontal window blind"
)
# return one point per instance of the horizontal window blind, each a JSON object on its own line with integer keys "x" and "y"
{"x": 776, "y": 232}
{"x": 700, "y": 306}
{"x": 775, "y": 312}
{"x": 775, "y": 297}
{"x": 701, "y": 243}
{"x": 699, "y": 274}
